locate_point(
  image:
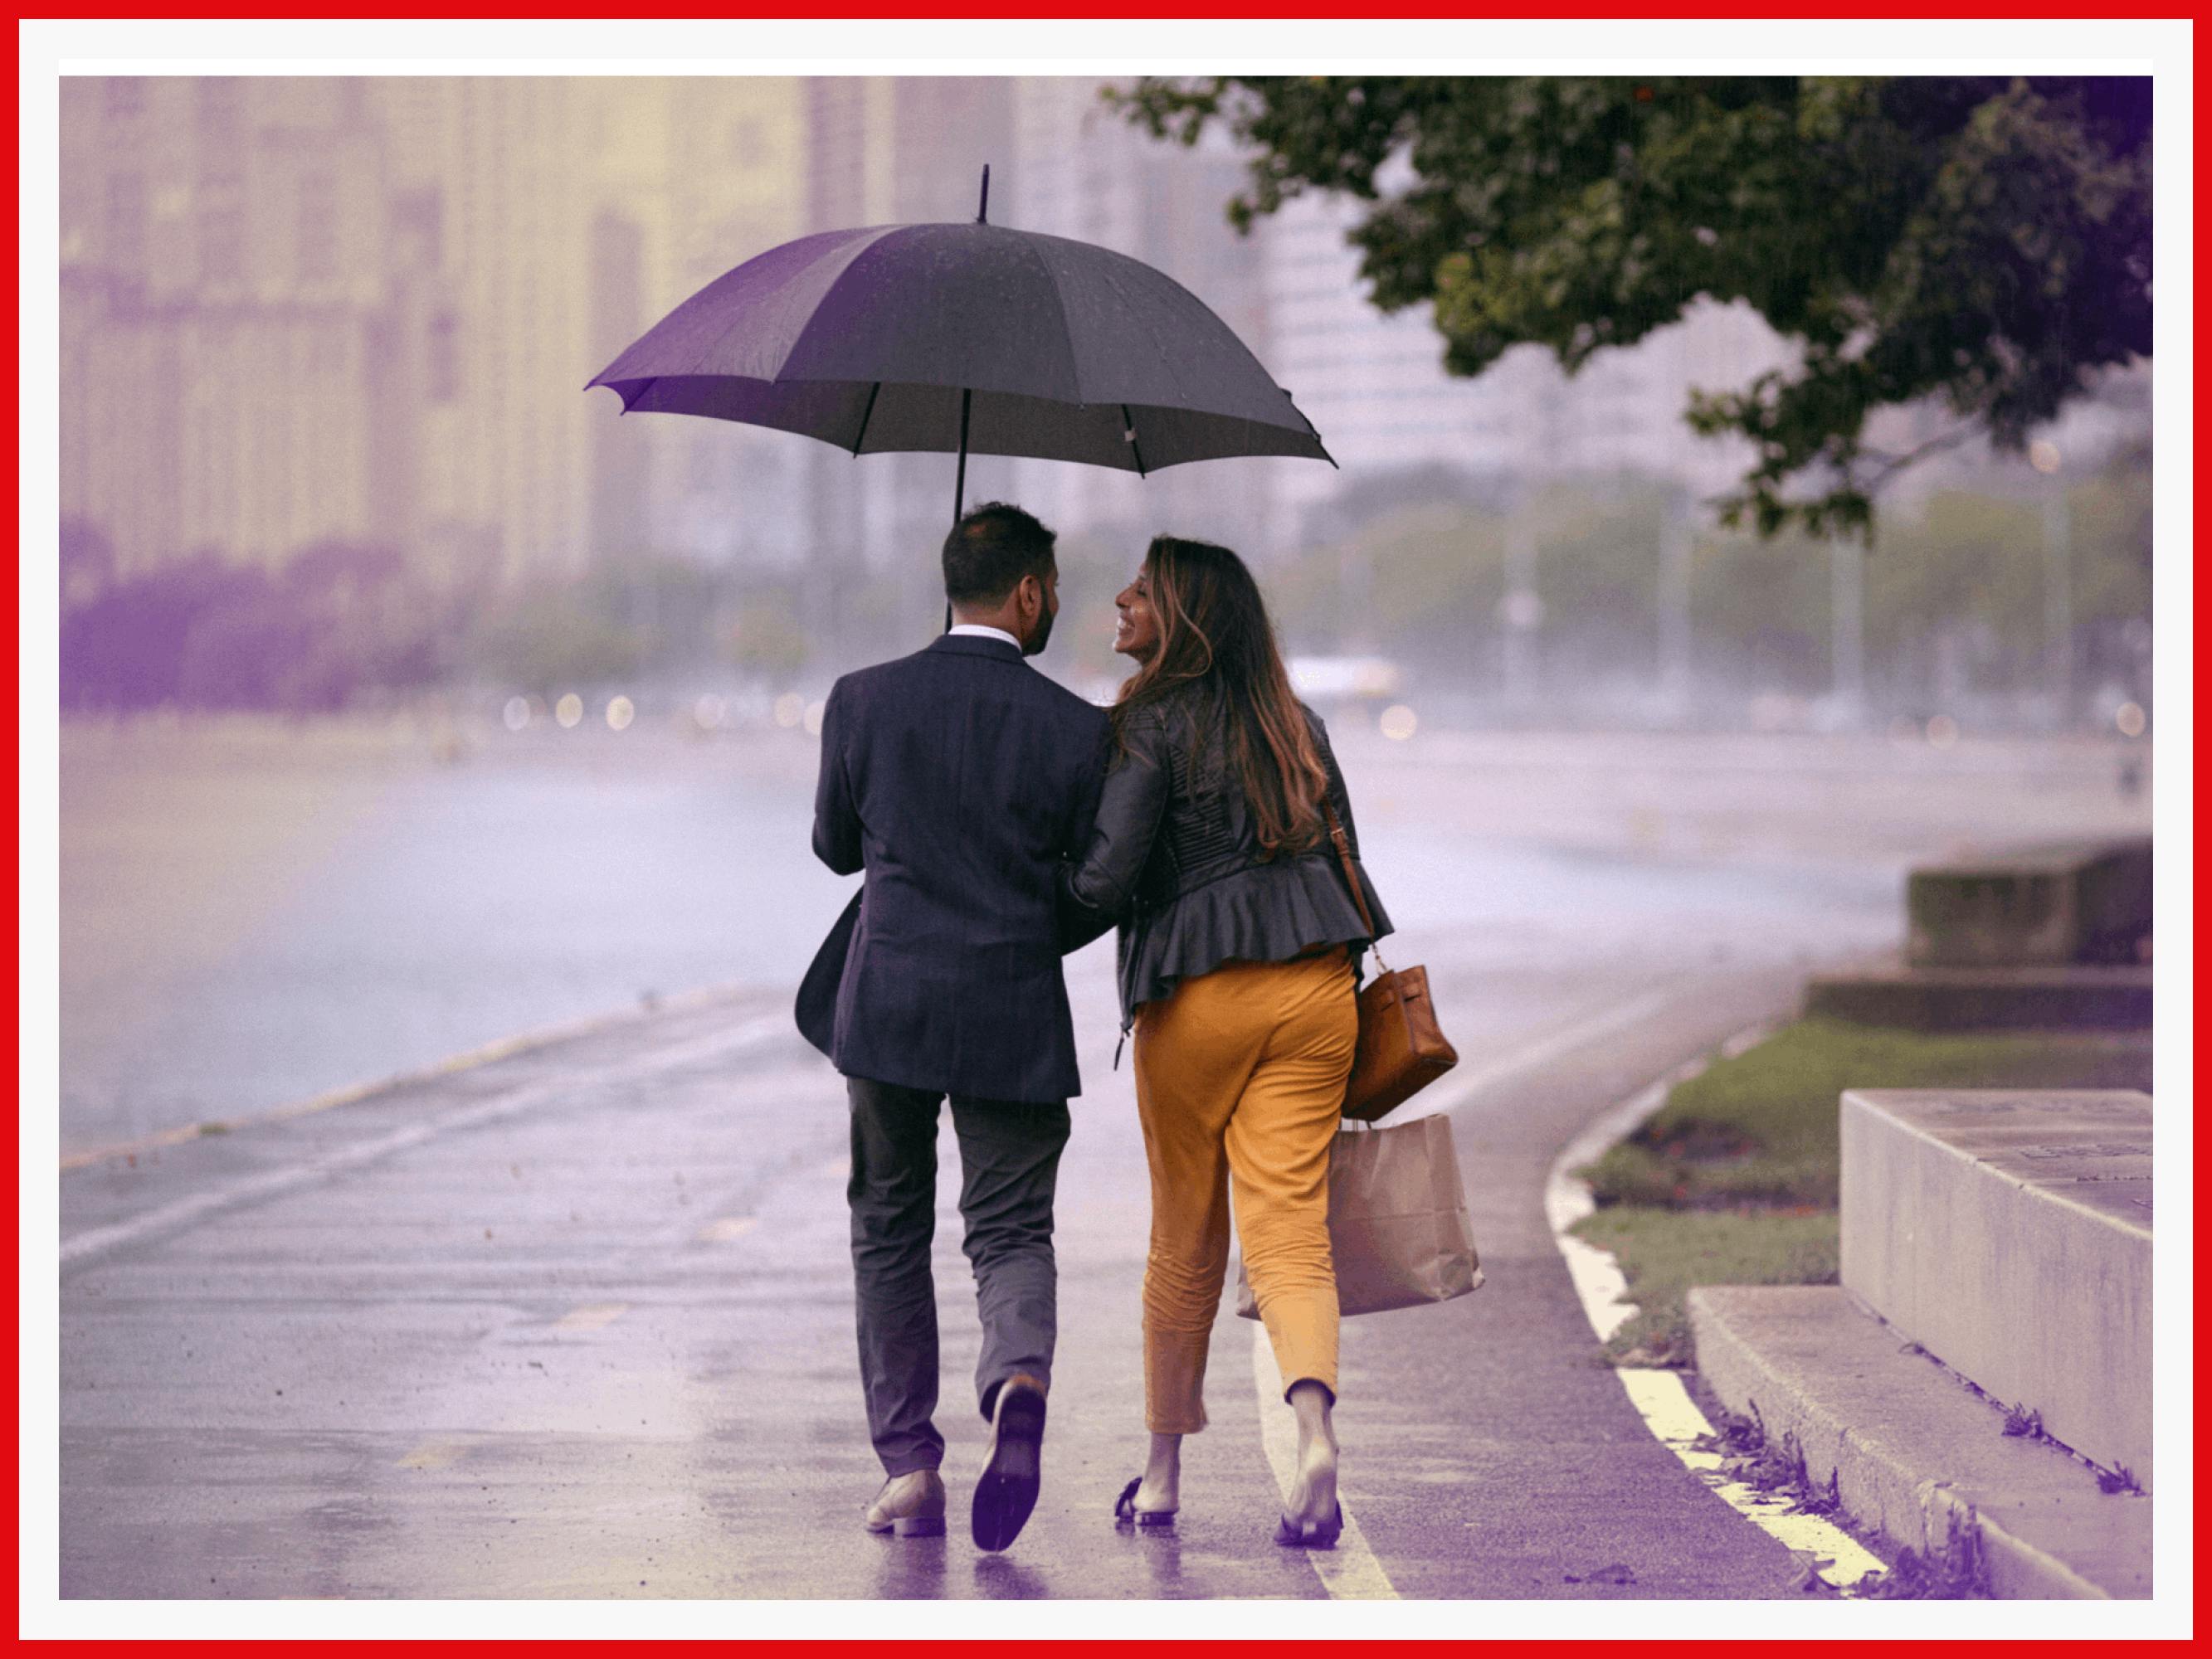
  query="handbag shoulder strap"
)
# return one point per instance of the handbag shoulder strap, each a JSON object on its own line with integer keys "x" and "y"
{"x": 1343, "y": 844}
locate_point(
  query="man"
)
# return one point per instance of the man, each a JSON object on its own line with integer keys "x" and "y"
{"x": 958, "y": 778}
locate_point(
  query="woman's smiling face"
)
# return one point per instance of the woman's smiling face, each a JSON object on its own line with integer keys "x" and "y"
{"x": 1136, "y": 624}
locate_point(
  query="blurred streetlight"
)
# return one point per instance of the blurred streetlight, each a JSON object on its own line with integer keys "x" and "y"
{"x": 620, "y": 713}
{"x": 1398, "y": 722}
{"x": 1674, "y": 642}
{"x": 2058, "y": 576}
{"x": 516, "y": 714}
{"x": 1521, "y": 610}
{"x": 1847, "y": 626}
{"x": 568, "y": 710}
{"x": 790, "y": 710}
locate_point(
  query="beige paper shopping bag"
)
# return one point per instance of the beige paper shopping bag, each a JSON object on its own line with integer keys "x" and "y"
{"x": 1398, "y": 1225}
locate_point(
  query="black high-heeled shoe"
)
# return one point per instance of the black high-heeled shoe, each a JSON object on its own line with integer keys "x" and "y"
{"x": 1311, "y": 1534}
{"x": 1124, "y": 1509}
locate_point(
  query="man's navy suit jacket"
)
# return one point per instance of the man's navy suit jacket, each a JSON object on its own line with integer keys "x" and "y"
{"x": 958, "y": 778}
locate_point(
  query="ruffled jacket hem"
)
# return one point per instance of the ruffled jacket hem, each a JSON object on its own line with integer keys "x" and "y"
{"x": 1262, "y": 913}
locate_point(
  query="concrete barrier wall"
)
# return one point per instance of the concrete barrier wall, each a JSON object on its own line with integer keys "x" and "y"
{"x": 2008, "y": 1233}
{"x": 2076, "y": 903}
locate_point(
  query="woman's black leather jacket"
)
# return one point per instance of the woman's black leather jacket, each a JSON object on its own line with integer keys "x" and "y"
{"x": 1176, "y": 859}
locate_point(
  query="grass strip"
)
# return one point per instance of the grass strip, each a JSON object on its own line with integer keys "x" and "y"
{"x": 1734, "y": 1180}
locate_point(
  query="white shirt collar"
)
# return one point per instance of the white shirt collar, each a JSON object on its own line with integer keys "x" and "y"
{"x": 987, "y": 632}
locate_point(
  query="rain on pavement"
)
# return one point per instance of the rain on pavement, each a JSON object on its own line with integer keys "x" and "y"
{"x": 576, "y": 1320}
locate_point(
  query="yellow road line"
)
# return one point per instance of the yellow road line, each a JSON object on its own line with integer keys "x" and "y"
{"x": 438, "y": 1454}
{"x": 591, "y": 1316}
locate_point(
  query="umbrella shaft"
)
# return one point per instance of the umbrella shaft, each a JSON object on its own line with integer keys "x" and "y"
{"x": 960, "y": 473}
{"x": 960, "y": 477}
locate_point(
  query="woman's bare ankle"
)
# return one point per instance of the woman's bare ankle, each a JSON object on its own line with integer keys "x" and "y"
{"x": 1313, "y": 1486}
{"x": 1162, "y": 1485}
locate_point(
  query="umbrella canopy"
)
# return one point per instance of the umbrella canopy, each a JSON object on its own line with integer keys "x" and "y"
{"x": 964, "y": 337}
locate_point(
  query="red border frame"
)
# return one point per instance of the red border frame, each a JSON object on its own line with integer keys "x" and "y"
{"x": 806, "y": 11}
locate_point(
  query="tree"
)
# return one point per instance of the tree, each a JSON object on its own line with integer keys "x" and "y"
{"x": 1983, "y": 241}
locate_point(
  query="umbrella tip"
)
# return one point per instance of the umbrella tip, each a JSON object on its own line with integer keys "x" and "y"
{"x": 983, "y": 205}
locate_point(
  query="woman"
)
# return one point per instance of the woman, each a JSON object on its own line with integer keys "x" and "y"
{"x": 1239, "y": 949}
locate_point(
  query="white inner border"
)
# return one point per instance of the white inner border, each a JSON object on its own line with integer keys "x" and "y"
{"x": 924, "y": 46}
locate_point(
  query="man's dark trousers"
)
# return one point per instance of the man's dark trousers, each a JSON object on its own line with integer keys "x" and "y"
{"x": 1009, "y": 1161}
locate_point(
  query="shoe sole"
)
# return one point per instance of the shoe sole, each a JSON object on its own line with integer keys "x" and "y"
{"x": 1313, "y": 1535}
{"x": 1006, "y": 1490}
{"x": 911, "y": 1526}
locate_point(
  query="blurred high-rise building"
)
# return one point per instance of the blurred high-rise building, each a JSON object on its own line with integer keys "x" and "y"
{"x": 303, "y": 308}
{"x": 893, "y": 150}
{"x": 295, "y": 309}
{"x": 230, "y": 318}
{"x": 734, "y": 158}
{"x": 496, "y": 167}
{"x": 1376, "y": 386}
{"x": 1081, "y": 170}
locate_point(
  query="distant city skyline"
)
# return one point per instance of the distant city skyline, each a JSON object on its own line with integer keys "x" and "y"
{"x": 296, "y": 309}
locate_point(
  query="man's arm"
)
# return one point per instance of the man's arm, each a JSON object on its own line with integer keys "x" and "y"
{"x": 1080, "y": 924}
{"x": 836, "y": 825}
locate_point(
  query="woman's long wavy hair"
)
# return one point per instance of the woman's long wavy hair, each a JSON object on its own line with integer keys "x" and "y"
{"x": 1214, "y": 628}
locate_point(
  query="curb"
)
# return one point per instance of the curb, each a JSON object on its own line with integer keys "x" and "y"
{"x": 1873, "y": 1466}
{"x": 1831, "y": 1555}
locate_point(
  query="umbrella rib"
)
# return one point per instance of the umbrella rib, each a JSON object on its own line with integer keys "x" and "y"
{"x": 874, "y": 391}
{"x": 1129, "y": 431}
{"x": 1066, "y": 333}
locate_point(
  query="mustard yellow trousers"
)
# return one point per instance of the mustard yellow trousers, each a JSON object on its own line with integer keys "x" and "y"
{"x": 1240, "y": 1086}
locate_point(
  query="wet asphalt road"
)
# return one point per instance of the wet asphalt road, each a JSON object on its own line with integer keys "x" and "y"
{"x": 577, "y": 1321}
{"x": 595, "y": 1340}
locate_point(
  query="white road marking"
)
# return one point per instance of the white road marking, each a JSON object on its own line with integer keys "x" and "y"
{"x": 1462, "y": 1084}
{"x": 1596, "y": 1274}
{"x": 1350, "y": 1572}
{"x": 95, "y": 1241}
{"x": 1659, "y": 1396}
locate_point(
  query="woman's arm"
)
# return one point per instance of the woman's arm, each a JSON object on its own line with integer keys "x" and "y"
{"x": 1103, "y": 879}
{"x": 1338, "y": 797}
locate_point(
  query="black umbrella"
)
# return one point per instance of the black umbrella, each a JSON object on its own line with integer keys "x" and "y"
{"x": 960, "y": 337}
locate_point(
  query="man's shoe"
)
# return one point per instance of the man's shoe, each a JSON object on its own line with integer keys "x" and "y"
{"x": 909, "y": 1506}
{"x": 1006, "y": 1490}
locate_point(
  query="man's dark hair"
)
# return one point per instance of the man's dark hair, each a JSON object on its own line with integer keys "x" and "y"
{"x": 991, "y": 550}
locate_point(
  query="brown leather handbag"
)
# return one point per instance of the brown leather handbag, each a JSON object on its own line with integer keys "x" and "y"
{"x": 1401, "y": 1049}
